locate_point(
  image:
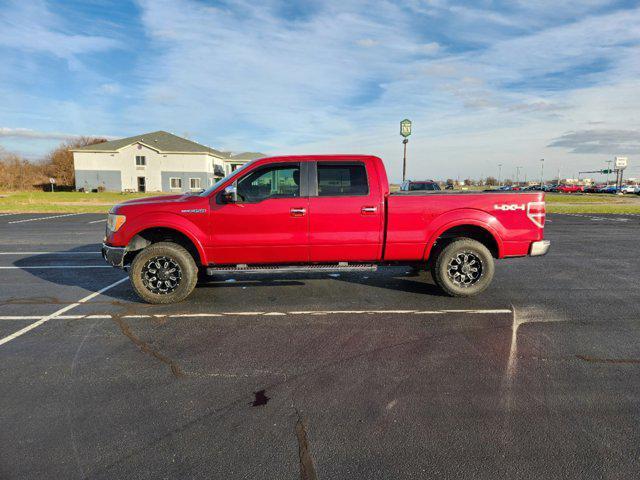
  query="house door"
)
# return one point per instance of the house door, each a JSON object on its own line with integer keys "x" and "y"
{"x": 142, "y": 184}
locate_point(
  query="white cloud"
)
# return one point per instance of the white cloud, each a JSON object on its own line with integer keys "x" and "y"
{"x": 367, "y": 42}
{"x": 110, "y": 88}
{"x": 30, "y": 26}
{"x": 40, "y": 135}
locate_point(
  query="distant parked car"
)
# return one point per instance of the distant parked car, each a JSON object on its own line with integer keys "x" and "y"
{"x": 412, "y": 186}
{"x": 593, "y": 188}
{"x": 449, "y": 186}
{"x": 629, "y": 189}
{"x": 609, "y": 189}
{"x": 570, "y": 188}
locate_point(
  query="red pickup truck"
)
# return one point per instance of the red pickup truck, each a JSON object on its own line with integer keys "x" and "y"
{"x": 319, "y": 213}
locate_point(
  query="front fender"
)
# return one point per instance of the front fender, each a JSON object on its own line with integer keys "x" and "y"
{"x": 160, "y": 220}
{"x": 461, "y": 217}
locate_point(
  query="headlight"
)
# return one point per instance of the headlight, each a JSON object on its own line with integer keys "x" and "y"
{"x": 114, "y": 222}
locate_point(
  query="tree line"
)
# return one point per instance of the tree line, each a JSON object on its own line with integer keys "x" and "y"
{"x": 19, "y": 173}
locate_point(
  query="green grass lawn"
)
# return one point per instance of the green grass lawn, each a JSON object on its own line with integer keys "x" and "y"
{"x": 77, "y": 202}
{"x": 63, "y": 202}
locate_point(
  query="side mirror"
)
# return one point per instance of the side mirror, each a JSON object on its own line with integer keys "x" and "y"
{"x": 230, "y": 194}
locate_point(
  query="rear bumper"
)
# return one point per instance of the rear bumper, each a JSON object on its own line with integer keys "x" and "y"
{"x": 114, "y": 255}
{"x": 539, "y": 248}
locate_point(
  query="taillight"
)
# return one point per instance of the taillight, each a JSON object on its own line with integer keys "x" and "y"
{"x": 536, "y": 211}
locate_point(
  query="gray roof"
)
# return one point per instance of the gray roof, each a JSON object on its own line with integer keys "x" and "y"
{"x": 247, "y": 156}
{"x": 161, "y": 140}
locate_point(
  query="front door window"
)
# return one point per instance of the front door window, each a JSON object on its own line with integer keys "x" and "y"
{"x": 280, "y": 181}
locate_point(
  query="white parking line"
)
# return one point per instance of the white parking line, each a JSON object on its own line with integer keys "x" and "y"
{"x": 44, "y": 218}
{"x": 98, "y": 221}
{"x": 232, "y": 314}
{"x": 57, "y": 313}
{"x": 53, "y": 267}
{"x": 7, "y": 214}
{"x": 50, "y": 253}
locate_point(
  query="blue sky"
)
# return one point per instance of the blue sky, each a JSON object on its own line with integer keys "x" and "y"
{"x": 484, "y": 82}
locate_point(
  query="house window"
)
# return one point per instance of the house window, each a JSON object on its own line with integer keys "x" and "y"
{"x": 141, "y": 160}
{"x": 175, "y": 183}
{"x": 194, "y": 184}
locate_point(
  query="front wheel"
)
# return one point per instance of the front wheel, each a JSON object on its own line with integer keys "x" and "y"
{"x": 163, "y": 273}
{"x": 463, "y": 268}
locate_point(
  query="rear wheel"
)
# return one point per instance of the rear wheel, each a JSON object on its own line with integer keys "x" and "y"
{"x": 463, "y": 268}
{"x": 163, "y": 273}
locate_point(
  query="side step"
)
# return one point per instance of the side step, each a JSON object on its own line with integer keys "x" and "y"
{"x": 334, "y": 267}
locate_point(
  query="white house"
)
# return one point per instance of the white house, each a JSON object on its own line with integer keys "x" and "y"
{"x": 152, "y": 162}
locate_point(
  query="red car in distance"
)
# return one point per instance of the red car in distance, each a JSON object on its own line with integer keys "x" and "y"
{"x": 571, "y": 188}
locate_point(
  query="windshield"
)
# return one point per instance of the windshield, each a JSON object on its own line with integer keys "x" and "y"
{"x": 423, "y": 186}
{"x": 213, "y": 187}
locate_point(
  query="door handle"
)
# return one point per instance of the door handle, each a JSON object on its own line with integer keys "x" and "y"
{"x": 298, "y": 212}
{"x": 366, "y": 210}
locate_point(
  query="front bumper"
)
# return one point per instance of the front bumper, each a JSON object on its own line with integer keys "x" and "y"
{"x": 539, "y": 248}
{"x": 114, "y": 255}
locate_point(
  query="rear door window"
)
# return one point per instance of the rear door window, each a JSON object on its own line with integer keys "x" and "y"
{"x": 342, "y": 179}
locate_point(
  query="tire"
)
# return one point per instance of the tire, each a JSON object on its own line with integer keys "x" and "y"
{"x": 460, "y": 279}
{"x": 177, "y": 267}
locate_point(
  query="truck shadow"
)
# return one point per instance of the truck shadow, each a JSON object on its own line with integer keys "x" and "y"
{"x": 389, "y": 278}
{"x": 83, "y": 267}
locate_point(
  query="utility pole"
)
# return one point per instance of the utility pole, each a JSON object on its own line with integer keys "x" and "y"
{"x": 499, "y": 175}
{"x": 541, "y": 172}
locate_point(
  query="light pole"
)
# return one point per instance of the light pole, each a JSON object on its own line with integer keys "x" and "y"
{"x": 608, "y": 169}
{"x": 518, "y": 175}
{"x": 499, "y": 175}
{"x": 405, "y": 131}
{"x": 541, "y": 172}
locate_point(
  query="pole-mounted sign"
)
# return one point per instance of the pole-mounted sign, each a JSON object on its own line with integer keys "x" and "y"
{"x": 405, "y": 127}
{"x": 405, "y": 131}
{"x": 621, "y": 163}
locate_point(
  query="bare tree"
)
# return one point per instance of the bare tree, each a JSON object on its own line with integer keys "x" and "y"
{"x": 491, "y": 181}
{"x": 59, "y": 162}
{"x": 17, "y": 173}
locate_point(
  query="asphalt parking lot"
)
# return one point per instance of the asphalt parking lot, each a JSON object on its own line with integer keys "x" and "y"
{"x": 372, "y": 376}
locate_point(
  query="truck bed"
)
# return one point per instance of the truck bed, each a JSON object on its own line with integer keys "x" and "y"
{"x": 419, "y": 193}
{"x": 416, "y": 219}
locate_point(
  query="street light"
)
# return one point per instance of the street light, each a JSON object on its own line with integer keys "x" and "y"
{"x": 541, "y": 172}
{"x": 405, "y": 131}
{"x": 518, "y": 175}
{"x": 499, "y": 175}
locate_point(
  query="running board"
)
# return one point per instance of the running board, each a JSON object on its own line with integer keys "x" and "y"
{"x": 335, "y": 267}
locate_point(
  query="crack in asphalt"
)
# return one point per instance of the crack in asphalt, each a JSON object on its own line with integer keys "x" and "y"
{"x": 307, "y": 469}
{"x": 144, "y": 347}
{"x": 590, "y": 359}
